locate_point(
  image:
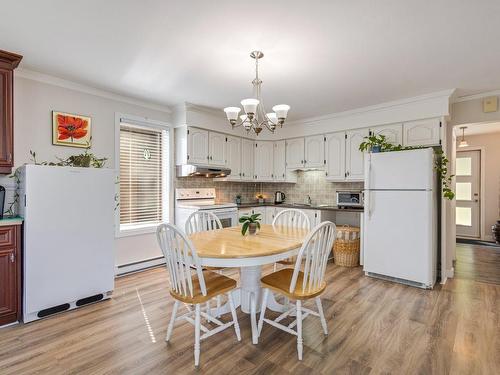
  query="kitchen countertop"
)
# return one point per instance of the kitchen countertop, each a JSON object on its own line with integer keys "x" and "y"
{"x": 11, "y": 220}
{"x": 299, "y": 206}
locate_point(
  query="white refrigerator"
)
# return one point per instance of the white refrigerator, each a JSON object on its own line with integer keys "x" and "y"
{"x": 68, "y": 237}
{"x": 401, "y": 217}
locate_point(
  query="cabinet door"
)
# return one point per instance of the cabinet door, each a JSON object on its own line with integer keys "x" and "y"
{"x": 233, "y": 154}
{"x": 279, "y": 161}
{"x": 270, "y": 213}
{"x": 6, "y": 130}
{"x": 295, "y": 153}
{"x": 244, "y": 212}
{"x": 8, "y": 286}
{"x": 197, "y": 146}
{"x": 422, "y": 133}
{"x": 354, "y": 157}
{"x": 247, "y": 159}
{"x": 393, "y": 133}
{"x": 264, "y": 161}
{"x": 262, "y": 212}
{"x": 217, "y": 149}
{"x": 313, "y": 217}
{"x": 335, "y": 156}
{"x": 314, "y": 151}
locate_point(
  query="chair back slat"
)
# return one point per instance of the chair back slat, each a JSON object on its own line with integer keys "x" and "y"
{"x": 314, "y": 253}
{"x": 292, "y": 218}
{"x": 180, "y": 259}
{"x": 201, "y": 221}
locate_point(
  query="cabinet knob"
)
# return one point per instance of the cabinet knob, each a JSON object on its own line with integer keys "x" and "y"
{"x": 12, "y": 257}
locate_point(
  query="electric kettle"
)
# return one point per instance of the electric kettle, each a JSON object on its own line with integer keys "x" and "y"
{"x": 279, "y": 197}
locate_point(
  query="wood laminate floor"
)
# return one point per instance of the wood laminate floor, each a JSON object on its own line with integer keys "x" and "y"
{"x": 479, "y": 263}
{"x": 376, "y": 327}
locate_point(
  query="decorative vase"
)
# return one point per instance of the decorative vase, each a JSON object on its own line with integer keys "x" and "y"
{"x": 376, "y": 149}
{"x": 261, "y": 200}
{"x": 496, "y": 231}
{"x": 238, "y": 200}
{"x": 252, "y": 229}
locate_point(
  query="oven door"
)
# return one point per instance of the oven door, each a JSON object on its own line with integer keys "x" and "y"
{"x": 228, "y": 218}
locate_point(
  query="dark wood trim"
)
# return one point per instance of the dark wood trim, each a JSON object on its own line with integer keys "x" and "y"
{"x": 9, "y": 60}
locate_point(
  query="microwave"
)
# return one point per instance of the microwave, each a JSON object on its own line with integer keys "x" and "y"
{"x": 350, "y": 199}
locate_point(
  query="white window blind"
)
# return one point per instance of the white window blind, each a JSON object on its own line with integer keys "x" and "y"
{"x": 142, "y": 172}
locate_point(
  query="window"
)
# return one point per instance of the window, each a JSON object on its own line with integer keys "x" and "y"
{"x": 143, "y": 176}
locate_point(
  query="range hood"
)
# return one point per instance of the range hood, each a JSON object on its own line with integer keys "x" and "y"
{"x": 189, "y": 170}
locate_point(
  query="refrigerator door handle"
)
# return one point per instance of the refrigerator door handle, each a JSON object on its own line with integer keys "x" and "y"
{"x": 369, "y": 204}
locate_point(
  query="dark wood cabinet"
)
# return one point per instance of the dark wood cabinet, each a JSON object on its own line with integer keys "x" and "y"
{"x": 10, "y": 274}
{"x": 8, "y": 62}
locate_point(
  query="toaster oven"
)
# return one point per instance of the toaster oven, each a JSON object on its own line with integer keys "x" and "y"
{"x": 351, "y": 199}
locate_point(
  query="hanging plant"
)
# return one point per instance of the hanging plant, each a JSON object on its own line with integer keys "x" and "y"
{"x": 379, "y": 144}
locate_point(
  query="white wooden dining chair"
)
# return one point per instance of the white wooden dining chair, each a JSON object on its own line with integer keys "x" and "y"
{"x": 305, "y": 281}
{"x": 201, "y": 221}
{"x": 193, "y": 286}
{"x": 292, "y": 218}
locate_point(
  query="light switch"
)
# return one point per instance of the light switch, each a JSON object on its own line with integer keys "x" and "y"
{"x": 490, "y": 104}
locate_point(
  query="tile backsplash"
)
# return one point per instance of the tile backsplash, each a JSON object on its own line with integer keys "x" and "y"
{"x": 312, "y": 183}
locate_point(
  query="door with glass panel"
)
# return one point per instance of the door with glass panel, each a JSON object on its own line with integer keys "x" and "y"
{"x": 468, "y": 171}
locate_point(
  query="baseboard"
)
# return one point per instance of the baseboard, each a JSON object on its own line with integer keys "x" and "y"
{"x": 450, "y": 273}
{"x": 138, "y": 266}
{"x": 489, "y": 238}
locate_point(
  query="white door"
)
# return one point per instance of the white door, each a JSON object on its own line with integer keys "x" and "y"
{"x": 279, "y": 161}
{"x": 217, "y": 148}
{"x": 233, "y": 154}
{"x": 335, "y": 156}
{"x": 393, "y": 133}
{"x": 354, "y": 157}
{"x": 264, "y": 160}
{"x": 295, "y": 153}
{"x": 247, "y": 159}
{"x": 197, "y": 146}
{"x": 314, "y": 151}
{"x": 468, "y": 171}
{"x": 422, "y": 132}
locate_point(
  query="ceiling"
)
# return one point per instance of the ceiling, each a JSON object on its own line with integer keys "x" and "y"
{"x": 481, "y": 128}
{"x": 321, "y": 57}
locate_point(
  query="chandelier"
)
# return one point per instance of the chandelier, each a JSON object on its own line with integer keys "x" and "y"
{"x": 255, "y": 116}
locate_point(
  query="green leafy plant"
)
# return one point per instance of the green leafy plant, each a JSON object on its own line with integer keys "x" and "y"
{"x": 441, "y": 167}
{"x": 247, "y": 220}
{"x": 12, "y": 209}
{"x": 375, "y": 141}
{"x": 85, "y": 160}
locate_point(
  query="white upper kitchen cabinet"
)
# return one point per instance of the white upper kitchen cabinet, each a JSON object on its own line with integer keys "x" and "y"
{"x": 335, "y": 156}
{"x": 197, "y": 146}
{"x": 422, "y": 132}
{"x": 295, "y": 153}
{"x": 217, "y": 149}
{"x": 393, "y": 133}
{"x": 247, "y": 159}
{"x": 279, "y": 160}
{"x": 354, "y": 157}
{"x": 233, "y": 157}
{"x": 264, "y": 167}
{"x": 314, "y": 151}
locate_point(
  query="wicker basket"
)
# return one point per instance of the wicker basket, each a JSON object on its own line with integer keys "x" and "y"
{"x": 346, "y": 247}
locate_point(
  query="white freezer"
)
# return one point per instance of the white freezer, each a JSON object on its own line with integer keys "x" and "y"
{"x": 399, "y": 236}
{"x": 400, "y": 170}
{"x": 68, "y": 235}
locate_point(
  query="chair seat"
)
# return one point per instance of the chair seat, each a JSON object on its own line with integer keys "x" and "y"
{"x": 216, "y": 284}
{"x": 279, "y": 281}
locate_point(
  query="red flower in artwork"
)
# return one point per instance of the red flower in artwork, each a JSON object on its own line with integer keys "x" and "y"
{"x": 71, "y": 127}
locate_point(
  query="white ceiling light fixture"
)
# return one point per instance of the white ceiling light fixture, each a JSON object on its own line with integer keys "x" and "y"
{"x": 463, "y": 142}
{"x": 255, "y": 117}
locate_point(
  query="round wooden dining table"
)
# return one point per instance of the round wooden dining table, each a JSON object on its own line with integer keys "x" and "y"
{"x": 227, "y": 247}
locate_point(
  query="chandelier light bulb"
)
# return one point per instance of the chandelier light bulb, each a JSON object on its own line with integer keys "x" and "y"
{"x": 281, "y": 110}
{"x": 232, "y": 112}
{"x": 272, "y": 118}
{"x": 250, "y": 106}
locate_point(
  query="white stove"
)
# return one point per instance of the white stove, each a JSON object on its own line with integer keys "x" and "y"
{"x": 188, "y": 201}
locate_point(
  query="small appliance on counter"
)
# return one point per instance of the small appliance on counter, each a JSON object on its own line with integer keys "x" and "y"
{"x": 279, "y": 197}
{"x": 350, "y": 199}
{"x": 2, "y": 201}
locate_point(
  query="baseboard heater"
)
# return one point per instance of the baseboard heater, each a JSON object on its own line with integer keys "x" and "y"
{"x": 398, "y": 280}
{"x": 125, "y": 269}
{"x": 53, "y": 310}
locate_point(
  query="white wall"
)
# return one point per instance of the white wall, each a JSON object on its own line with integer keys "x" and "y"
{"x": 33, "y": 103}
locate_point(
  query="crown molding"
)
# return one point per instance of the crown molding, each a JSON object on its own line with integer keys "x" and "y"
{"x": 71, "y": 85}
{"x": 481, "y": 95}
{"x": 375, "y": 108}
{"x": 203, "y": 109}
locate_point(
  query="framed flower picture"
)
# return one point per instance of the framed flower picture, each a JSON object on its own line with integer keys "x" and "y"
{"x": 70, "y": 130}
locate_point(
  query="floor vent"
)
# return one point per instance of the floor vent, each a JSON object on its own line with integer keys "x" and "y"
{"x": 87, "y": 300}
{"x": 53, "y": 310}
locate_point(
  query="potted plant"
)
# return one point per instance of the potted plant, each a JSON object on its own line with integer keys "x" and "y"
{"x": 250, "y": 223}
{"x": 238, "y": 199}
{"x": 375, "y": 143}
{"x": 260, "y": 197}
